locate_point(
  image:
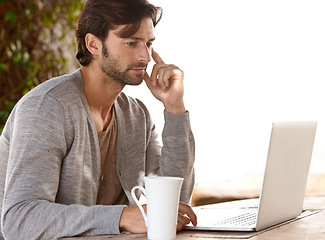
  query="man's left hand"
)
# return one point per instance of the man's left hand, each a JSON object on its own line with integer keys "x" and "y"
{"x": 166, "y": 84}
{"x": 186, "y": 215}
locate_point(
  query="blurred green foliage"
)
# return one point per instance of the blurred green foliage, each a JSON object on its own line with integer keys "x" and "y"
{"x": 36, "y": 39}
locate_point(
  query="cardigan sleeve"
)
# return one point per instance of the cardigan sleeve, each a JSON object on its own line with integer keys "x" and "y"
{"x": 178, "y": 151}
{"x": 140, "y": 152}
{"x": 38, "y": 146}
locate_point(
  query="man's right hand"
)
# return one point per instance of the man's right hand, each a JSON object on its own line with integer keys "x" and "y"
{"x": 133, "y": 222}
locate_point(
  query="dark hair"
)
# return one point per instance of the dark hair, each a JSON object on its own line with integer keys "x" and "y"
{"x": 100, "y": 16}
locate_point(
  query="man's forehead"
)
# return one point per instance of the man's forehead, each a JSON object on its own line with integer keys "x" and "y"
{"x": 144, "y": 32}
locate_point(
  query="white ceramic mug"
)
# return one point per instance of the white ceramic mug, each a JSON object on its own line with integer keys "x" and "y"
{"x": 162, "y": 195}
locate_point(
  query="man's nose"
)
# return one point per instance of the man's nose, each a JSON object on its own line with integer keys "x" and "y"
{"x": 144, "y": 55}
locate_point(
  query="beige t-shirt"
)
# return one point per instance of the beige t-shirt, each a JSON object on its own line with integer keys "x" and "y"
{"x": 110, "y": 190}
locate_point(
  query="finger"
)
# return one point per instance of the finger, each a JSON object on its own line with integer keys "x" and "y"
{"x": 150, "y": 81}
{"x": 155, "y": 73}
{"x": 185, "y": 219}
{"x": 179, "y": 227}
{"x": 166, "y": 78}
{"x": 147, "y": 79}
{"x": 186, "y": 209}
{"x": 156, "y": 57}
{"x": 163, "y": 77}
{"x": 182, "y": 221}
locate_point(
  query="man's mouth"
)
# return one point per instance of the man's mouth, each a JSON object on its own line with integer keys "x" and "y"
{"x": 139, "y": 69}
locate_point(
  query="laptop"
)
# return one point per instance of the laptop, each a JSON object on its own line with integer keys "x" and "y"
{"x": 283, "y": 189}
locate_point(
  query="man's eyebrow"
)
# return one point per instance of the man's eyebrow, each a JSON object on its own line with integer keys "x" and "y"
{"x": 141, "y": 39}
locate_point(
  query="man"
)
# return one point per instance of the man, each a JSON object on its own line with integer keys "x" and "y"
{"x": 74, "y": 146}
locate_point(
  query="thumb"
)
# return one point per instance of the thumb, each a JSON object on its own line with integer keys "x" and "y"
{"x": 147, "y": 79}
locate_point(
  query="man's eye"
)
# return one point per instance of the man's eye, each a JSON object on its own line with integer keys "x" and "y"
{"x": 131, "y": 44}
{"x": 149, "y": 45}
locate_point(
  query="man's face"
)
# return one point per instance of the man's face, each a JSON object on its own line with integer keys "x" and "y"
{"x": 125, "y": 60}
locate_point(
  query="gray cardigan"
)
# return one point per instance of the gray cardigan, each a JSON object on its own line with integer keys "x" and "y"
{"x": 50, "y": 161}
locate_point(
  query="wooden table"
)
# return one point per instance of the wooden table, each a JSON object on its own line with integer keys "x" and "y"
{"x": 310, "y": 225}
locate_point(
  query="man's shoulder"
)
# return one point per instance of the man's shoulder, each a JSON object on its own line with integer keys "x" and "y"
{"x": 63, "y": 88}
{"x": 56, "y": 96}
{"x": 60, "y": 86}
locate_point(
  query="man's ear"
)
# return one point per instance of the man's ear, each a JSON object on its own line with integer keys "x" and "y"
{"x": 93, "y": 44}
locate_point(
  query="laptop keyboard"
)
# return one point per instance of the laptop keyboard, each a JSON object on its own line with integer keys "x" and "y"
{"x": 246, "y": 219}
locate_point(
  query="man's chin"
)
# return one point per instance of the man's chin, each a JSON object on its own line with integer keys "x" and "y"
{"x": 135, "y": 82}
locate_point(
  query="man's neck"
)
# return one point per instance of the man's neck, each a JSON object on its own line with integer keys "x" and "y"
{"x": 100, "y": 95}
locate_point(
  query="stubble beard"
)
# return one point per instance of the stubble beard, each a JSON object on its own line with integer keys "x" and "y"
{"x": 112, "y": 68}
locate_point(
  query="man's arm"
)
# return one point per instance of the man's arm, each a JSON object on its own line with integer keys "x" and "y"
{"x": 38, "y": 147}
{"x": 166, "y": 83}
{"x": 178, "y": 152}
{"x": 176, "y": 158}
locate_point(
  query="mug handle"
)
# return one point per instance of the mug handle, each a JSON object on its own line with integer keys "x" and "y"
{"x": 137, "y": 201}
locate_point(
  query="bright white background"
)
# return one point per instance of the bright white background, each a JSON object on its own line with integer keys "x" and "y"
{"x": 247, "y": 64}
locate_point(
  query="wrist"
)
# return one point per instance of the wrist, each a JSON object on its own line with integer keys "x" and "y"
{"x": 175, "y": 108}
{"x": 123, "y": 220}
{"x": 131, "y": 220}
